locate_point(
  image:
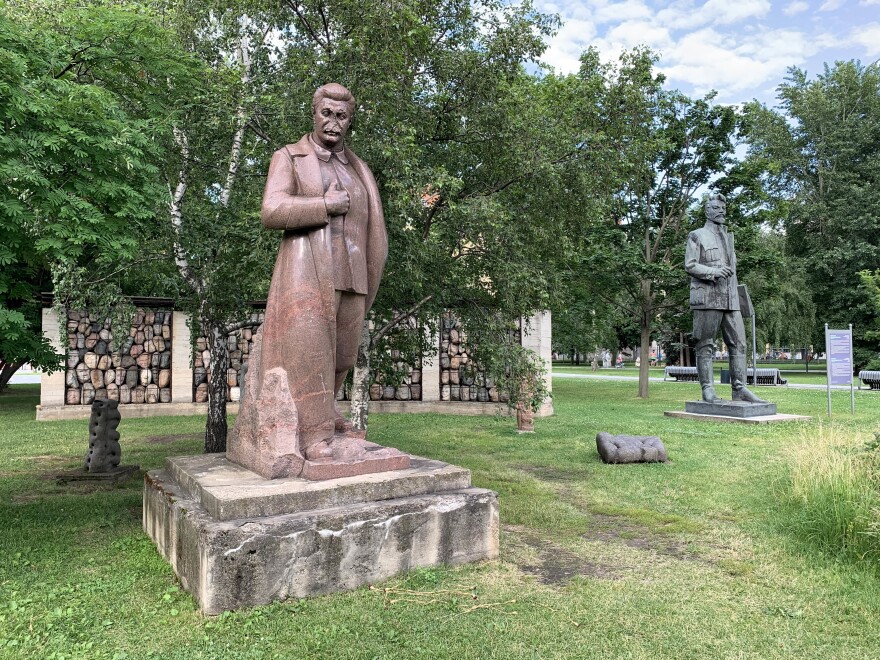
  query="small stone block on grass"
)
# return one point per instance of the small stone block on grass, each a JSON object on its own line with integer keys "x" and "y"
{"x": 630, "y": 448}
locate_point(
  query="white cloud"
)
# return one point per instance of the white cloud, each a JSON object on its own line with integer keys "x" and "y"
{"x": 622, "y": 11}
{"x": 682, "y": 15}
{"x": 565, "y": 50}
{"x": 869, "y": 37}
{"x": 831, "y": 5}
{"x": 725, "y": 12}
{"x": 868, "y": 3}
{"x": 635, "y": 33}
{"x": 737, "y": 47}
{"x": 796, "y": 8}
{"x": 707, "y": 59}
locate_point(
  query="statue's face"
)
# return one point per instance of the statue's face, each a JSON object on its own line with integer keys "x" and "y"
{"x": 332, "y": 119}
{"x": 715, "y": 210}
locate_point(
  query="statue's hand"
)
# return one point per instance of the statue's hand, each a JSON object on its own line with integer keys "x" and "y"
{"x": 336, "y": 200}
{"x": 723, "y": 271}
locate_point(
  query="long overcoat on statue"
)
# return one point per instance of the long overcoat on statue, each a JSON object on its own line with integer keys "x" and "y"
{"x": 299, "y": 332}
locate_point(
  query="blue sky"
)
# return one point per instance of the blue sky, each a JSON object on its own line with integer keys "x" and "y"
{"x": 740, "y": 48}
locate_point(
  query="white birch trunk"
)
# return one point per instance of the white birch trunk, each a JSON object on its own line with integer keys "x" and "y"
{"x": 360, "y": 390}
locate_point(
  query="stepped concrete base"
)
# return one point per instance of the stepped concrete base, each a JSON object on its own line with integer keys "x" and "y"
{"x": 237, "y": 540}
{"x": 763, "y": 419}
{"x": 725, "y": 408}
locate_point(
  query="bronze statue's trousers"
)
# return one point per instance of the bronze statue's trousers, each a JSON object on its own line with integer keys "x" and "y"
{"x": 706, "y": 325}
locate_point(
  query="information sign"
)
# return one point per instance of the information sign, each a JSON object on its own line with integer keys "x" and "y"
{"x": 840, "y": 360}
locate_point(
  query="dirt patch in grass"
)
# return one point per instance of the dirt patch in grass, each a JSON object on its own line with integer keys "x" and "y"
{"x": 551, "y": 474}
{"x": 168, "y": 439}
{"x": 552, "y": 564}
{"x": 70, "y": 488}
{"x": 618, "y": 529}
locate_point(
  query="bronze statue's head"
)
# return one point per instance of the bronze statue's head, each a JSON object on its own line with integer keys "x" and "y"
{"x": 716, "y": 208}
{"x": 332, "y": 110}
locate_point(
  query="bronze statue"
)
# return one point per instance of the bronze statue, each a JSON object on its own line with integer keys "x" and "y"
{"x": 710, "y": 260}
{"x": 325, "y": 200}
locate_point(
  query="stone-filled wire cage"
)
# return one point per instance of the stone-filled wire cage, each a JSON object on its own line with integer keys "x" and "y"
{"x": 138, "y": 372}
{"x": 397, "y": 377}
{"x": 461, "y": 378}
{"x": 405, "y": 386}
{"x": 240, "y": 344}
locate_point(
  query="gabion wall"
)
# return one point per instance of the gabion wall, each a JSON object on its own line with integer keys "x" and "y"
{"x": 460, "y": 377}
{"x": 139, "y": 372}
{"x": 239, "y": 344}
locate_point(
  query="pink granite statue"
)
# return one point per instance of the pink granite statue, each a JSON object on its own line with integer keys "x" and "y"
{"x": 325, "y": 200}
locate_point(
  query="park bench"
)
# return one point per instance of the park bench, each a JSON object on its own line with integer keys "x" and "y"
{"x": 870, "y": 378}
{"x": 688, "y": 374}
{"x": 767, "y": 377}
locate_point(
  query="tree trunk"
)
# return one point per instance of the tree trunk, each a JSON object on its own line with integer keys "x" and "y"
{"x": 645, "y": 344}
{"x": 360, "y": 389}
{"x": 216, "y": 426}
{"x": 7, "y": 371}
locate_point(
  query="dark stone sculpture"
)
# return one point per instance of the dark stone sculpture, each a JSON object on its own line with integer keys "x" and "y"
{"x": 630, "y": 448}
{"x": 710, "y": 260}
{"x": 325, "y": 200}
{"x": 104, "y": 451}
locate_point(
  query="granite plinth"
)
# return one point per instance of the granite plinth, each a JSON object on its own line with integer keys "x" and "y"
{"x": 730, "y": 408}
{"x": 228, "y": 491}
{"x": 429, "y": 514}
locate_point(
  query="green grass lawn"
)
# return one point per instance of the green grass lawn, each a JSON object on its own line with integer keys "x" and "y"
{"x": 696, "y": 558}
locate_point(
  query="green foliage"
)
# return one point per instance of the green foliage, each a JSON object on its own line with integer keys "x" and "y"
{"x": 655, "y": 148}
{"x": 871, "y": 286}
{"x": 83, "y": 128}
{"x": 821, "y": 167}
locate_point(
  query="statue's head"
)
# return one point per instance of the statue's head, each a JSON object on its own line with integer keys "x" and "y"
{"x": 332, "y": 110}
{"x": 716, "y": 208}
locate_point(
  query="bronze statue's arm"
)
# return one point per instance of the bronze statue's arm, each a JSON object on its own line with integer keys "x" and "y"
{"x": 692, "y": 264}
{"x": 283, "y": 208}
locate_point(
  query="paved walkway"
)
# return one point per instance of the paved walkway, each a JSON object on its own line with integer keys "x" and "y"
{"x": 25, "y": 378}
{"x": 656, "y": 379}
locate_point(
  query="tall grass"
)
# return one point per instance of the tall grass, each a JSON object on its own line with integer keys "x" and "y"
{"x": 833, "y": 492}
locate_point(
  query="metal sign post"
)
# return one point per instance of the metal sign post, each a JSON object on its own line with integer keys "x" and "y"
{"x": 839, "y": 362}
{"x": 748, "y": 311}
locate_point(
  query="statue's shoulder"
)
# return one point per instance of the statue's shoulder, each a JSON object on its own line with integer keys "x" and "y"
{"x": 301, "y": 148}
{"x": 698, "y": 235}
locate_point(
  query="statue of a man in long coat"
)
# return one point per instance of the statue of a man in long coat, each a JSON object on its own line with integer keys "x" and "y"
{"x": 325, "y": 200}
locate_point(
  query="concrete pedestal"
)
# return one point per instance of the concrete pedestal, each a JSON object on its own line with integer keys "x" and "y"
{"x": 237, "y": 540}
{"x": 730, "y": 408}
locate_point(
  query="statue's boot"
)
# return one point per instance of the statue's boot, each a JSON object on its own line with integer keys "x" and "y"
{"x": 316, "y": 442}
{"x": 738, "y": 381}
{"x": 319, "y": 450}
{"x": 707, "y": 378}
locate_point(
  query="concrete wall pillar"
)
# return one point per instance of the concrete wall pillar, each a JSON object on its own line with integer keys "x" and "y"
{"x": 52, "y": 387}
{"x": 181, "y": 353}
{"x": 537, "y": 336}
{"x": 431, "y": 366}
